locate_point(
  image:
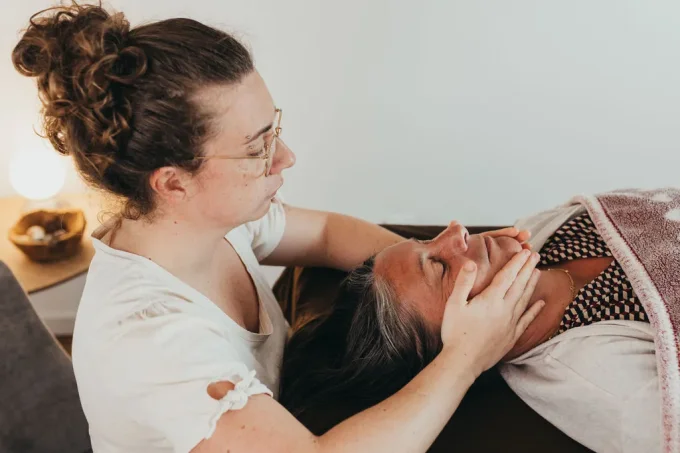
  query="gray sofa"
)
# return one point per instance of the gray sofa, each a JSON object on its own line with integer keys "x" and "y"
{"x": 39, "y": 407}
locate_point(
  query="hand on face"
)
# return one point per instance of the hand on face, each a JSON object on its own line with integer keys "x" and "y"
{"x": 521, "y": 236}
{"x": 423, "y": 273}
{"x": 479, "y": 330}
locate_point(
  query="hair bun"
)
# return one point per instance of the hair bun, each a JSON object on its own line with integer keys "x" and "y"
{"x": 84, "y": 61}
{"x": 70, "y": 35}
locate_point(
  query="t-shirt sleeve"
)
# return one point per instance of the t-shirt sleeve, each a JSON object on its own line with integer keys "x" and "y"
{"x": 266, "y": 233}
{"x": 164, "y": 365}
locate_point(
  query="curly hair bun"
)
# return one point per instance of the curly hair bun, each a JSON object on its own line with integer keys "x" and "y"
{"x": 83, "y": 62}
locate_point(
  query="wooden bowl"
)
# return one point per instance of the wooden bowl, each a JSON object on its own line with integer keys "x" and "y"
{"x": 71, "y": 222}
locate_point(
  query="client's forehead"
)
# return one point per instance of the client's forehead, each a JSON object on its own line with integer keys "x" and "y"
{"x": 397, "y": 263}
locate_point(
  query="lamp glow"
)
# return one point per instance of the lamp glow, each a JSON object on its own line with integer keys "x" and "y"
{"x": 37, "y": 175}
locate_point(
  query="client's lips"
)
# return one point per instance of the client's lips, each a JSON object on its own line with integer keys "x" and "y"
{"x": 488, "y": 243}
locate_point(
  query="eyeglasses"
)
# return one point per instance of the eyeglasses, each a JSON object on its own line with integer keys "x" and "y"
{"x": 269, "y": 148}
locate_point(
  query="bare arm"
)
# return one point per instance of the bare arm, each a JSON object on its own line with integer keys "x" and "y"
{"x": 476, "y": 334}
{"x": 316, "y": 238}
{"x": 419, "y": 410}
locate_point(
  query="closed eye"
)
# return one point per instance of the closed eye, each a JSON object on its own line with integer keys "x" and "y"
{"x": 444, "y": 266}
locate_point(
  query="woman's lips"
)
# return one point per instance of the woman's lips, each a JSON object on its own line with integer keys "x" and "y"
{"x": 273, "y": 194}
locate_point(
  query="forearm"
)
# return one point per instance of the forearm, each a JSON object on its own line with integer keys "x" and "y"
{"x": 348, "y": 241}
{"x": 419, "y": 410}
{"x": 408, "y": 421}
{"x": 316, "y": 238}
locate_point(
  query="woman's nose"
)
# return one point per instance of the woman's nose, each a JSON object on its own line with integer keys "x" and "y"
{"x": 283, "y": 157}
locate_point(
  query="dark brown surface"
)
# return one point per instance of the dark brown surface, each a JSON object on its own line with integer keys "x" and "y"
{"x": 65, "y": 342}
{"x": 491, "y": 417}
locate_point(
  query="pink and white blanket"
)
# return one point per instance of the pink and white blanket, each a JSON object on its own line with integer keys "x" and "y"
{"x": 642, "y": 230}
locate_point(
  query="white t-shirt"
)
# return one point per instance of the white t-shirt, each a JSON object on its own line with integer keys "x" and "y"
{"x": 146, "y": 346}
{"x": 597, "y": 383}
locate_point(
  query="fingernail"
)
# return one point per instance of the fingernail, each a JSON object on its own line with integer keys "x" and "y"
{"x": 526, "y": 252}
{"x": 470, "y": 266}
{"x": 535, "y": 256}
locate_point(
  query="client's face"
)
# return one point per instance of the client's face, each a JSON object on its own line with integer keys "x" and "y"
{"x": 422, "y": 273}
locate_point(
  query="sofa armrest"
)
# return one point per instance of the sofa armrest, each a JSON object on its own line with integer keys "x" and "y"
{"x": 40, "y": 410}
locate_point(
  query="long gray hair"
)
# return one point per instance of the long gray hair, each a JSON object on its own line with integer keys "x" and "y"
{"x": 369, "y": 346}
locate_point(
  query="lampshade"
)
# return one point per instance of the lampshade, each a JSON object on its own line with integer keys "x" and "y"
{"x": 37, "y": 175}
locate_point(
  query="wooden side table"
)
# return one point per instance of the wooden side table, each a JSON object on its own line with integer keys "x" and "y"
{"x": 39, "y": 276}
{"x": 54, "y": 288}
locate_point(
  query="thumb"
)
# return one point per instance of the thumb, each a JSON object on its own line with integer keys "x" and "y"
{"x": 463, "y": 285}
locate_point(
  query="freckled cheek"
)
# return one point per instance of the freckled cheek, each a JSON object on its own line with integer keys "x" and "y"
{"x": 231, "y": 183}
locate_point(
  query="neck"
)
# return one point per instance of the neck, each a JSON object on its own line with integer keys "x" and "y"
{"x": 553, "y": 287}
{"x": 176, "y": 244}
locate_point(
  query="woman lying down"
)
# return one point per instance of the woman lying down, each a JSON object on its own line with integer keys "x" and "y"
{"x": 588, "y": 363}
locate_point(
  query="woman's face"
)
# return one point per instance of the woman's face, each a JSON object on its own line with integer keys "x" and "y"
{"x": 423, "y": 273}
{"x": 234, "y": 191}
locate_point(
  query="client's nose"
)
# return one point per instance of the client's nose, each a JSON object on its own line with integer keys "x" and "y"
{"x": 454, "y": 238}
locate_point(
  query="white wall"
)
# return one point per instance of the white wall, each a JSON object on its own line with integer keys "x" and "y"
{"x": 421, "y": 112}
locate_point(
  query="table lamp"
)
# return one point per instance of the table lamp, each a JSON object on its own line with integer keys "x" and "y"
{"x": 48, "y": 229}
{"x": 38, "y": 176}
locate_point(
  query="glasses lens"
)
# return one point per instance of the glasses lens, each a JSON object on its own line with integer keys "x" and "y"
{"x": 272, "y": 145}
{"x": 270, "y": 159}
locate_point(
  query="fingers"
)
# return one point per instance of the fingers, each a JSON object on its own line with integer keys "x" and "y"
{"x": 504, "y": 279}
{"x": 519, "y": 286}
{"x": 528, "y": 317}
{"x": 464, "y": 283}
{"x": 525, "y": 297}
{"x": 509, "y": 232}
{"x": 523, "y": 236}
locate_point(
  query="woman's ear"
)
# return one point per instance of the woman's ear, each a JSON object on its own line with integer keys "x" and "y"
{"x": 169, "y": 183}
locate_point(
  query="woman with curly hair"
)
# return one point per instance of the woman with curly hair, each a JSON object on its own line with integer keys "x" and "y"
{"x": 178, "y": 340}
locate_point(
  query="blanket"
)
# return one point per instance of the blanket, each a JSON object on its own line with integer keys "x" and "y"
{"x": 642, "y": 230}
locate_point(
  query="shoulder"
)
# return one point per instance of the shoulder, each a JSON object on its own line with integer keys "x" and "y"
{"x": 581, "y": 363}
{"x": 545, "y": 223}
{"x": 156, "y": 370}
{"x": 596, "y": 385}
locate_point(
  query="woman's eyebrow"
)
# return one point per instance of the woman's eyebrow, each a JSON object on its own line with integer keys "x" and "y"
{"x": 264, "y": 130}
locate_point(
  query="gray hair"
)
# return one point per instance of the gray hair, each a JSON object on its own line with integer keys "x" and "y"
{"x": 369, "y": 346}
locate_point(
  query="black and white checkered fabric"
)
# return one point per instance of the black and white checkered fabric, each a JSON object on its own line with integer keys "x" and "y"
{"x": 610, "y": 296}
